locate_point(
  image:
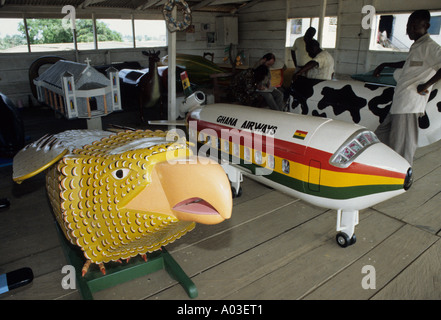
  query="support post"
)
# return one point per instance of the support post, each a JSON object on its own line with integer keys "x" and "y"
{"x": 171, "y": 105}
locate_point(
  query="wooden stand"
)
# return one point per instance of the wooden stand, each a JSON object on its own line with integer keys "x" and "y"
{"x": 117, "y": 273}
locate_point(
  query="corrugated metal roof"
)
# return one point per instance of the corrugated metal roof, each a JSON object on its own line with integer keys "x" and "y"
{"x": 143, "y": 5}
{"x": 53, "y": 74}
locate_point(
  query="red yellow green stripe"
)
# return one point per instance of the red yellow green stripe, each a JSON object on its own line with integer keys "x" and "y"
{"x": 299, "y": 134}
{"x": 314, "y": 174}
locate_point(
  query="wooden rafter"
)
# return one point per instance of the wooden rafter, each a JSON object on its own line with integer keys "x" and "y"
{"x": 87, "y": 3}
{"x": 246, "y": 5}
{"x": 148, "y": 4}
{"x": 202, "y": 4}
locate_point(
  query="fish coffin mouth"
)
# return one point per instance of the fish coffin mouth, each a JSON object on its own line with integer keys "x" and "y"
{"x": 196, "y": 206}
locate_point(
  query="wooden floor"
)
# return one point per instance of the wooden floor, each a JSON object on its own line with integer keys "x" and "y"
{"x": 273, "y": 247}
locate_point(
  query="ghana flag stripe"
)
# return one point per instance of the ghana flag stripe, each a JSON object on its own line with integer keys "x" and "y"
{"x": 293, "y": 152}
{"x": 329, "y": 180}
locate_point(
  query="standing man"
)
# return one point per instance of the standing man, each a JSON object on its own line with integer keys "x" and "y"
{"x": 298, "y": 53}
{"x": 421, "y": 70}
{"x": 321, "y": 65}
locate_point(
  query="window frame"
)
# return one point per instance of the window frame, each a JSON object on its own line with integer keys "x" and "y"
{"x": 373, "y": 47}
{"x": 313, "y": 21}
{"x": 96, "y": 45}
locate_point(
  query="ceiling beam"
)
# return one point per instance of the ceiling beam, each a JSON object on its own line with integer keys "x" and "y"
{"x": 148, "y": 4}
{"x": 202, "y": 4}
{"x": 246, "y": 6}
{"x": 87, "y": 3}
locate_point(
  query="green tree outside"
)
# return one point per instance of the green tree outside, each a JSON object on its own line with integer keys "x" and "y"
{"x": 52, "y": 31}
{"x": 12, "y": 41}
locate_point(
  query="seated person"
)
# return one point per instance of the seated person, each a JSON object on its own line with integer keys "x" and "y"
{"x": 321, "y": 66}
{"x": 262, "y": 76}
{"x": 242, "y": 89}
{"x": 268, "y": 60}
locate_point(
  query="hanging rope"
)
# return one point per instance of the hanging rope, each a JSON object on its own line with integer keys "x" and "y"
{"x": 172, "y": 24}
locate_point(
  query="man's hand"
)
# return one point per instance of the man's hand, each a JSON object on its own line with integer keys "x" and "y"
{"x": 295, "y": 77}
{"x": 378, "y": 70}
{"x": 423, "y": 89}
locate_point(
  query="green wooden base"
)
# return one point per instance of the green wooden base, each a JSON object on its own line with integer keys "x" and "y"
{"x": 117, "y": 273}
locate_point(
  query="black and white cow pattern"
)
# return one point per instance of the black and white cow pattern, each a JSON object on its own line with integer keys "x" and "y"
{"x": 362, "y": 103}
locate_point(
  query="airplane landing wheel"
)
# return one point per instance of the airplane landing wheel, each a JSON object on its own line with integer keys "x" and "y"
{"x": 236, "y": 194}
{"x": 344, "y": 241}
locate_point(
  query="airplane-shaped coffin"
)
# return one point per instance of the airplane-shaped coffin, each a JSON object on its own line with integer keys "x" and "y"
{"x": 328, "y": 163}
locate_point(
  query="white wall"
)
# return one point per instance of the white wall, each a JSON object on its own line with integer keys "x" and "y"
{"x": 196, "y": 43}
{"x": 262, "y": 29}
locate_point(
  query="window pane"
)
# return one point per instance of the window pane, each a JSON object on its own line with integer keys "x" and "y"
{"x": 435, "y": 25}
{"x": 297, "y": 27}
{"x": 329, "y": 32}
{"x": 114, "y": 33}
{"x": 150, "y": 33}
{"x": 84, "y": 31}
{"x": 49, "y": 35}
{"x": 390, "y": 32}
{"x": 12, "y": 36}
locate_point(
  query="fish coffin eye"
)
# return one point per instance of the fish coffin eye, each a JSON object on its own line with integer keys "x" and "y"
{"x": 120, "y": 174}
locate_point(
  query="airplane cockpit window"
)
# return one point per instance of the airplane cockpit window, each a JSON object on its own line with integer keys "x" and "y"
{"x": 352, "y": 148}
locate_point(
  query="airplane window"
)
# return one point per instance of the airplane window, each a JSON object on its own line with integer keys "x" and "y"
{"x": 270, "y": 161}
{"x": 226, "y": 146}
{"x": 285, "y": 166}
{"x": 216, "y": 142}
{"x": 236, "y": 150}
{"x": 348, "y": 153}
{"x": 355, "y": 145}
{"x": 247, "y": 154}
{"x": 258, "y": 157}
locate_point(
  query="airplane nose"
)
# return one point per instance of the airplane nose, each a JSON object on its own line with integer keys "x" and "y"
{"x": 408, "y": 180}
